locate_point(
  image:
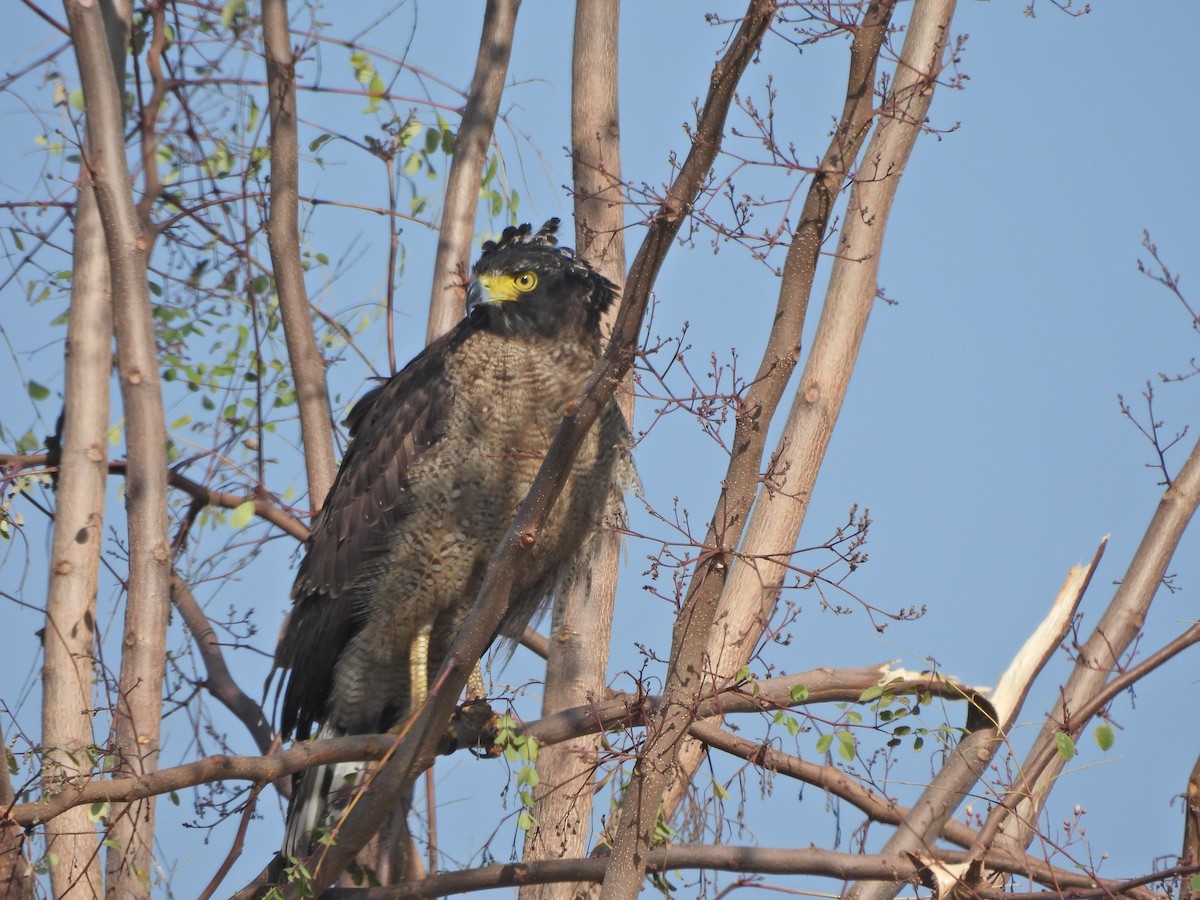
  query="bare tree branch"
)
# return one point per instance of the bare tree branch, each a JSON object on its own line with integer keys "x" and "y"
{"x": 763, "y": 860}
{"x": 263, "y": 507}
{"x": 219, "y": 682}
{"x": 753, "y": 587}
{"x": 827, "y": 778}
{"x": 630, "y": 711}
{"x": 447, "y": 302}
{"x": 283, "y": 238}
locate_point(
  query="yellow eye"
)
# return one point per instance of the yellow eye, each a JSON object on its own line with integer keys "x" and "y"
{"x": 526, "y": 281}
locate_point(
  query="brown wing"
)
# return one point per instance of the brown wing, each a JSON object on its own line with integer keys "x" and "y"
{"x": 390, "y": 427}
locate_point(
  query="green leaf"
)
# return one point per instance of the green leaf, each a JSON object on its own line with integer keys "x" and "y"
{"x": 233, "y": 10}
{"x": 824, "y": 742}
{"x": 375, "y": 90}
{"x": 361, "y": 63}
{"x": 870, "y": 693}
{"x": 1066, "y": 746}
{"x": 799, "y": 693}
{"x": 37, "y": 391}
{"x": 719, "y": 790}
{"x": 243, "y": 513}
{"x": 1104, "y": 737}
{"x": 846, "y": 745}
{"x": 76, "y": 99}
{"x": 181, "y": 421}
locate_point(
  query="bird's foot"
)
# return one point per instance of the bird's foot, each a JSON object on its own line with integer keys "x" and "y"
{"x": 473, "y": 727}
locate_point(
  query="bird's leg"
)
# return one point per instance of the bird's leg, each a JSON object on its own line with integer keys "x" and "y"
{"x": 418, "y": 669}
{"x": 475, "y": 690}
{"x": 474, "y": 723}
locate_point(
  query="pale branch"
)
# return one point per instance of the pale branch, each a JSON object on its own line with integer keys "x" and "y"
{"x": 415, "y": 753}
{"x": 448, "y": 298}
{"x": 283, "y": 239}
{"x": 68, "y": 676}
{"x": 1011, "y": 822}
{"x": 757, "y": 860}
{"x": 746, "y": 603}
{"x": 138, "y": 713}
{"x": 263, "y": 508}
{"x": 68, "y": 646}
{"x": 577, "y": 667}
{"x": 219, "y": 681}
{"x": 973, "y": 755}
{"x": 1014, "y": 685}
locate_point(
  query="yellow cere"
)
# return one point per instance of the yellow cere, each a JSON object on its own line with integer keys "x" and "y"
{"x": 499, "y": 288}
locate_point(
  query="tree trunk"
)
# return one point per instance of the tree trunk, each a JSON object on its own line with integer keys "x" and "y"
{"x": 139, "y": 704}
{"x": 67, "y": 670}
{"x": 453, "y": 260}
{"x": 577, "y": 668}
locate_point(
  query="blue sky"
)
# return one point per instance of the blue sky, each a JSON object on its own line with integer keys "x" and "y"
{"x": 981, "y": 428}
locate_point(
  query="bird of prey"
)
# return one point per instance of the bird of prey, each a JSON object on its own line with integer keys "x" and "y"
{"x": 441, "y": 457}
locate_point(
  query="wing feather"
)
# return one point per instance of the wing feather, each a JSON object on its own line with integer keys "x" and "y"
{"x": 390, "y": 427}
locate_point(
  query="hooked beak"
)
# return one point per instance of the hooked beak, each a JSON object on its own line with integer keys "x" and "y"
{"x": 476, "y": 295}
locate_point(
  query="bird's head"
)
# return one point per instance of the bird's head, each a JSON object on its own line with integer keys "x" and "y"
{"x": 524, "y": 283}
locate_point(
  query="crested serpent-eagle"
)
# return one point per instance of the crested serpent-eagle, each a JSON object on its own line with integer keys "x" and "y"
{"x": 441, "y": 456}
